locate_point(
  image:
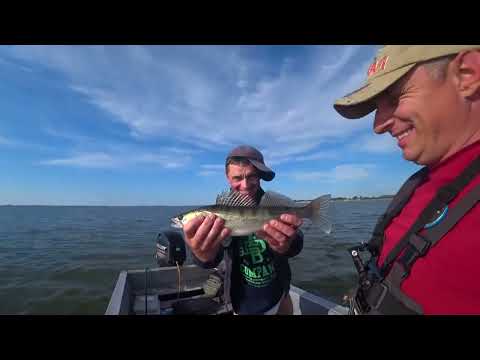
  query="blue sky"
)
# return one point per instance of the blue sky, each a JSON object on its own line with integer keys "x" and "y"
{"x": 151, "y": 125}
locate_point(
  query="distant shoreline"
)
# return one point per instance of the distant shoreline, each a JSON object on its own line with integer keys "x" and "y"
{"x": 356, "y": 198}
{"x": 341, "y": 198}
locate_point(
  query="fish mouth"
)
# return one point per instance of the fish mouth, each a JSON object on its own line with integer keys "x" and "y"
{"x": 176, "y": 223}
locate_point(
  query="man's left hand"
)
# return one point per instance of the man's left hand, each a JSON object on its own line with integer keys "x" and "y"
{"x": 279, "y": 233}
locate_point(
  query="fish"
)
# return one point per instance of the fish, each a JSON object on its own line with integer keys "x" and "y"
{"x": 244, "y": 216}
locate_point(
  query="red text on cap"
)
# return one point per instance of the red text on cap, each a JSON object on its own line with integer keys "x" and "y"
{"x": 377, "y": 65}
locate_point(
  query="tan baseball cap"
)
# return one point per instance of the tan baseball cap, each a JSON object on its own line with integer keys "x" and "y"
{"x": 390, "y": 64}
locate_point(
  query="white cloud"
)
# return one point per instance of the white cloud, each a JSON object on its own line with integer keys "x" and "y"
{"x": 212, "y": 96}
{"x": 211, "y": 170}
{"x": 24, "y": 144}
{"x": 344, "y": 172}
{"x": 165, "y": 161}
{"x": 213, "y": 167}
{"x": 105, "y": 153}
{"x": 242, "y": 84}
{"x": 97, "y": 160}
{"x": 117, "y": 160}
{"x": 10, "y": 63}
{"x": 324, "y": 155}
{"x": 351, "y": 172}
{"x": 375, "y": 144}
{"x": 5, "y": 141}
{"x": 181, "y": 151}
{"x": 208, "y": 173}
{"x": 67, "y": 135}
{"x": 285, "y": 153}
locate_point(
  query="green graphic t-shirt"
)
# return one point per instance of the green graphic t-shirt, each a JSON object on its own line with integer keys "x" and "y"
{"x": 255, "y": 280}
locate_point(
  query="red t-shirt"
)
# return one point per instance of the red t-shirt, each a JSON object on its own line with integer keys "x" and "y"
{"x": 447, "y": 279}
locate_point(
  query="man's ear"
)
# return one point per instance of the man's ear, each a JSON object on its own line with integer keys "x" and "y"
{"x": 468, "y": 74}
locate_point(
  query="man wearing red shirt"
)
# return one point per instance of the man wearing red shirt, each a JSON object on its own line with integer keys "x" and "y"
{"x": 428, "y": 98}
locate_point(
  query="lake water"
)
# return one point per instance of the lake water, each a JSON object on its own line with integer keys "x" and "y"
{"x": 66, "y": 259}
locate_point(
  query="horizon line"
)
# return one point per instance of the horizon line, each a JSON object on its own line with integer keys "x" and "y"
{"x": 355, "y": 197}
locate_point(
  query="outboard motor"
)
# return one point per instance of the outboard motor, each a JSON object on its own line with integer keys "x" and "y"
{"x": 170, "y": 249}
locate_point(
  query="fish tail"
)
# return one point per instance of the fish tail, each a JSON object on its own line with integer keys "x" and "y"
{"x": 317, "y": 212}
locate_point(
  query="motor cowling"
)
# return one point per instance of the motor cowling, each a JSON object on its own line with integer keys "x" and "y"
{"x": 170, "y": 249}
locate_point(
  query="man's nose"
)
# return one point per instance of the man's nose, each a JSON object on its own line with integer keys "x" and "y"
{"x": 383, "y": 120}
{"x": 244, "y": 183}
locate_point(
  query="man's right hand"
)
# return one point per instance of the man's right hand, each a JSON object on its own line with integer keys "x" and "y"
{"x": 204, "y": 236}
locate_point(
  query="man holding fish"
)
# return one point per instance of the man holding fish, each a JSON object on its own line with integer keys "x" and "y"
{"x": 254, "y": 232}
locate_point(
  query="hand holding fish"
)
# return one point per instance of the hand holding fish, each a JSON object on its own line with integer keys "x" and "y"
{"x": 204, "y": 235}
{"x": 279, "y": 233}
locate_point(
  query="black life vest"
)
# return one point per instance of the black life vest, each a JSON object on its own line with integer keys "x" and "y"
{"x": 378, "y": 291}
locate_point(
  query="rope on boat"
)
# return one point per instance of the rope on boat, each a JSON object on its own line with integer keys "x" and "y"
{"x": 179, "y": 279}
{"x": 146, "y": 278}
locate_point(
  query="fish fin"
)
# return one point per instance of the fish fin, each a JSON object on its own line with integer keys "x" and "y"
{"x": 235, "y": 199}
{"x": 318, "y": 209}
{"x": 306, "y": 225}
{"x": 322, "y": 224}
{"x": 274, "y": 199}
